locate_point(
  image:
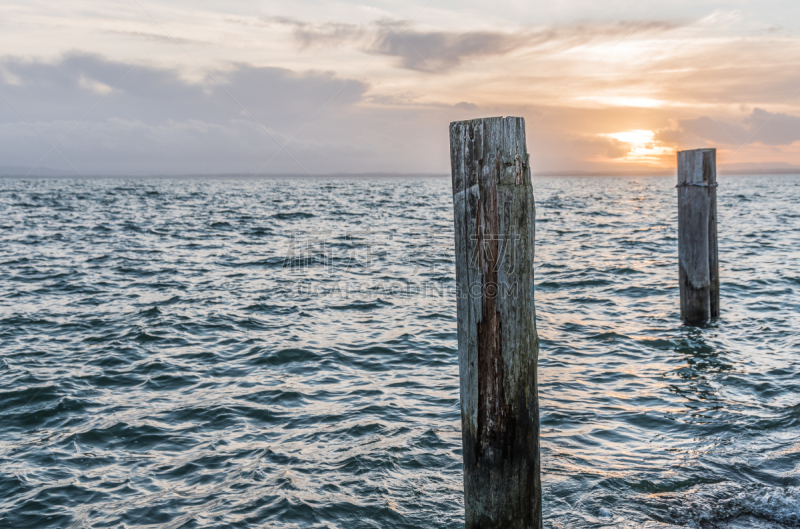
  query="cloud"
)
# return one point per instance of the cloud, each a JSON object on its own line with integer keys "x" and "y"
{"x": 612, "y": 148}
{"x": 704, "y": 129}
{"x": 155, "y": 120}
{"x": 773, "y": 129}
{"x": 428, "y": 51}
{"x": 69, "y": 87}
{"x": 759, "y": 127}
{"x": 437, "y": 51}
{"x": 330, "y": 34}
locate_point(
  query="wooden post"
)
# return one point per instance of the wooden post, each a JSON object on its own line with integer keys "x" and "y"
{"x": 498, "y": 346}
{"x": 697, "y": 235}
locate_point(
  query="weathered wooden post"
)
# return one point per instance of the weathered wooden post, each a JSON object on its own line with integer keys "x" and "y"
{"x": 697, "y": 235}
{"x": 498, "y": 346}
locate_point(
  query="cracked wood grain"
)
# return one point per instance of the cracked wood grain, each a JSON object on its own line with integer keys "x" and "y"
{"x": 497, "y": 341}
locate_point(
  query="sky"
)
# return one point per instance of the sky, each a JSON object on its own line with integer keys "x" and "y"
{"x": 136, "y": 87}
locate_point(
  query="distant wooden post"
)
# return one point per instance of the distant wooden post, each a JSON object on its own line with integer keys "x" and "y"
{"x": 498, "y": 346}
{"x": 698, "y": 252}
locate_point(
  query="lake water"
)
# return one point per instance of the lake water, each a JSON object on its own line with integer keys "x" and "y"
{"x": 281, "y": 353}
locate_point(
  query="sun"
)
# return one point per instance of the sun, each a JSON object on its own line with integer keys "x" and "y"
{"x": 636, "y": 138}
{"x": 644, "y": 148}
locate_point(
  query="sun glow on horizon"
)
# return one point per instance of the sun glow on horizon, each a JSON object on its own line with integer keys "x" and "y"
{"x": 634, "y": 137}
{"x": 644, "y": 148}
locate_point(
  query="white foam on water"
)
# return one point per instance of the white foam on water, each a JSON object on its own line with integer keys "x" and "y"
{"x": 750, "y": 522}
{"x": 757, "y": 508}
{"x": 775, "y": 505}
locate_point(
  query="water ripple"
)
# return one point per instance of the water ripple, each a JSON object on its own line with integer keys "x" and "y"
{"x": 282, "y": 353}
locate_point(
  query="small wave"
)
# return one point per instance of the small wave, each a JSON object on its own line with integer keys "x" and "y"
{"x": 734, "y": 507}
{"x": 360, "y": 305}
{"x": 282, "y": 357}
{"x": 298, "y": 215}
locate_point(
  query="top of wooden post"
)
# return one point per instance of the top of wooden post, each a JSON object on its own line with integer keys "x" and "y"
{"x": 496, "y": 140}
{"x": 698, "y": 150}
{"x": 697, "y": 167}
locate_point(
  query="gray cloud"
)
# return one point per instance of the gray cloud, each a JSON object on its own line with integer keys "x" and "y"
{"x": 773, "y": 129}
{"x": 69, "y": 87}
{"x": 441, "y": 51}
{"x": 155, "y": 120}
{"x": 436, "y": 52}
{"x": 703, "y": 129}
{"x": 759, "y": 127}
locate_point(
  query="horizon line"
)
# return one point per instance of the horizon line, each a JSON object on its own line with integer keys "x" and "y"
{"x": 721, "y": 170}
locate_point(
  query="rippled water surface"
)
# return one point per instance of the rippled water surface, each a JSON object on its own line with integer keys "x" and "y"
{"x": 282, "y": 353}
